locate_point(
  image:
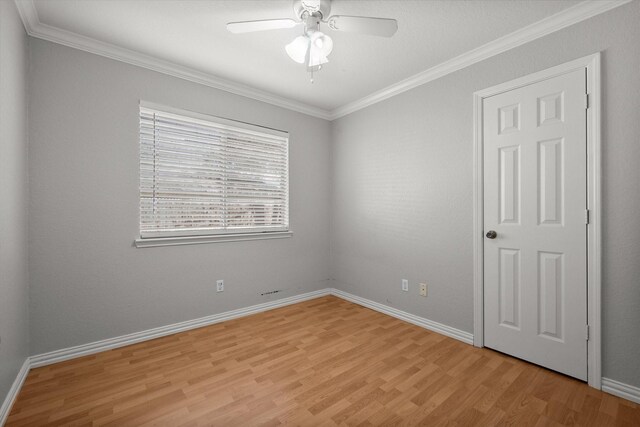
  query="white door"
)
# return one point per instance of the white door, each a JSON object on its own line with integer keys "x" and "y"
{"x": 535, "y": 245}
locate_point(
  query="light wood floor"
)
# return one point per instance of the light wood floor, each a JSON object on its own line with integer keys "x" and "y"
{"x": 321, "y": 362}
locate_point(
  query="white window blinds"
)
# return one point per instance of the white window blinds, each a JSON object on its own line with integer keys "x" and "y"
{"x": 202, "y": 175}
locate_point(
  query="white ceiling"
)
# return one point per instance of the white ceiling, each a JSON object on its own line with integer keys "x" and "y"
{"x": 193, "y": 34}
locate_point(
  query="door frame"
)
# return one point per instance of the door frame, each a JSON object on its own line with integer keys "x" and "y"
{"x": 594, "y": 243}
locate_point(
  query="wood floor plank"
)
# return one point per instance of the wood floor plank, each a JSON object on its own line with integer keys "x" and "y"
{"x": 324, "y": 362}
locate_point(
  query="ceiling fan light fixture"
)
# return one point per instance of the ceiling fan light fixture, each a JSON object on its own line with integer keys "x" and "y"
{"x": 313, "y": 47}
{"x": 297, "y": 49}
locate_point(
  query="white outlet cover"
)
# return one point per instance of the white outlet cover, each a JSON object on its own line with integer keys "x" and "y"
{"x": 405, "y": 285}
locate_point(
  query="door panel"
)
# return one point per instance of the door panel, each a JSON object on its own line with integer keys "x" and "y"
{"x": 509, "y": 170}
{"x": 550, "y": 292}
{"x": 550, "y": 186}
{"x": 535, "y": 284}
{"x": 509, "y": 287}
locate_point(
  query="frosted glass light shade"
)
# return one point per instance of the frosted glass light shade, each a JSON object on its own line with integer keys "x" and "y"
{"x": 320, "y": 47}
{"x": 297, "y": 49}
{"x": 322, "y": 42}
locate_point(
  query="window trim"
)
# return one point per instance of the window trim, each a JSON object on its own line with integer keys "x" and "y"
{"x": 188, "y": 237}
{"x": 151, "y": 242}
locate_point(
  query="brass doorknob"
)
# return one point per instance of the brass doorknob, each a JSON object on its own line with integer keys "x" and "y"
{"x": 491, "y": 234}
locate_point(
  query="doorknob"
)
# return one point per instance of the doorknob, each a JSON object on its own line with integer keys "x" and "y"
{"x": 491, "y": 234}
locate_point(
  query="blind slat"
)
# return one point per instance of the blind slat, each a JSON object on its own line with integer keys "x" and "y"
{"x": 208, "y": 178}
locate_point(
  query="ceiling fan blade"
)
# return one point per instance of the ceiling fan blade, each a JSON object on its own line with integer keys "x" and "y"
{"x": 363, "y": 25}
{"x": 262, "y": 25}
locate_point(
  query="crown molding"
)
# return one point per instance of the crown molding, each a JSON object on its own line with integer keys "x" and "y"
{"x": 560, "y": 20}
{"x": 35, "y": 28}
{"x": 553, "y": 23}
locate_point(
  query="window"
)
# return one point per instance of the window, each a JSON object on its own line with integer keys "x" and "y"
{"x": 202, "y": 175}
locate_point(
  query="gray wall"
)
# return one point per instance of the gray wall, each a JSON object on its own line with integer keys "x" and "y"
{"x": 402, "y": 186}
{"x": 14, "y": 291}
{"x": 87, "y": 280}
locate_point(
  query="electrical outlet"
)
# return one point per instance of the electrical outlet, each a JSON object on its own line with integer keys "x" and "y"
{"x": 405, "y": 285}
{"x": 423, "y": 289}
{"x": 219, "y": 285}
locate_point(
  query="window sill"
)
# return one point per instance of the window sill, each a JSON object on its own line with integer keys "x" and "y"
{"x": 199, "y": 240}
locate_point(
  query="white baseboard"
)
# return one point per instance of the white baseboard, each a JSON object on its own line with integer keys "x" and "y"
{"x": 458, "y": 334}
{"x": 136, "y": 337}
{"x": 623, "y": 390}
{"x": 13, "y": 392}
{"x": 616, "y": 388}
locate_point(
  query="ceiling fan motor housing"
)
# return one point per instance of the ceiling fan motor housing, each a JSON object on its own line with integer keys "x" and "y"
{"x": 312, "y": 7}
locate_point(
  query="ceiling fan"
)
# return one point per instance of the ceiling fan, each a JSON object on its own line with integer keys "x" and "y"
{"x": 313, "y": 47}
